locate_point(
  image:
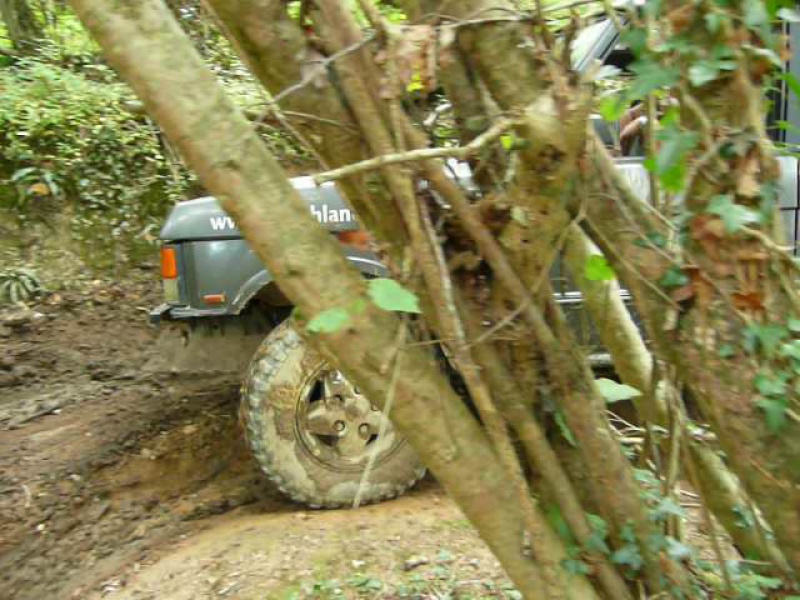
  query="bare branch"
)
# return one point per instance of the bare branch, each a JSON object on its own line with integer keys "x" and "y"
{"x": 459, "y": 152}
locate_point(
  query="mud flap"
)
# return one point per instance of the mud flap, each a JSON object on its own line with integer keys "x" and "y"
{"x": 220, "y": 345}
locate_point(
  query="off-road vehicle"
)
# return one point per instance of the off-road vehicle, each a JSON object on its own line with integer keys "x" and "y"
{"x": 310, "y": 430}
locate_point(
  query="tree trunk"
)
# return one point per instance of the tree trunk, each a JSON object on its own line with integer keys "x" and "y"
{"x": 145, "y": 43}
{"x": 23, "y": 29}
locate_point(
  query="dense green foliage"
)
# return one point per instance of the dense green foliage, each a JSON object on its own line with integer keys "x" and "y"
{"x": 75, "y": 143}
{"x": 74, "y": 128}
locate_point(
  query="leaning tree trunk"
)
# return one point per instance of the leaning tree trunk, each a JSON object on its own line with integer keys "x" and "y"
{"x": 145, "y": 43}
{"x": 23, "y": 29}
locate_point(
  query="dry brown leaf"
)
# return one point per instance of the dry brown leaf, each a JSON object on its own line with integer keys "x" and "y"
{"x": 749, "y": 301}
{"x": 682, "y": 293}
{"x": 747, "y": 176}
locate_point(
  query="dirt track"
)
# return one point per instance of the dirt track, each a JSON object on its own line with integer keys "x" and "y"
{"x": 117, "y": 483}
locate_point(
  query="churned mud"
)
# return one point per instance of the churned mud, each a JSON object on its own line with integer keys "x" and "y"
{"x": 116, "y": 482}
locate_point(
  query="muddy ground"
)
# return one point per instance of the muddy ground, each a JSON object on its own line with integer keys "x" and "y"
{"x": 118, "y": 483}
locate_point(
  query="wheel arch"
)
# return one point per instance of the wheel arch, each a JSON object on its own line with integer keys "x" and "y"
{"x": 262, "y": 284}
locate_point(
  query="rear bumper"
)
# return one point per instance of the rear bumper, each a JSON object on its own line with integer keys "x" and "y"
{"x": 170, "y": 312}
{"x": 159, "y": 313}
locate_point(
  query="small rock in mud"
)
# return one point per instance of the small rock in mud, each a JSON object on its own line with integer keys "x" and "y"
{"x": 21, "y": 318}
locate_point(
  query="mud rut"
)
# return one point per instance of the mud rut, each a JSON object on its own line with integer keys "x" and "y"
{"x": 99, "y": 462}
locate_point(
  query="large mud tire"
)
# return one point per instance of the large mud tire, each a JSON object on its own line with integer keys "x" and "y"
{"x": 275, "y": 397}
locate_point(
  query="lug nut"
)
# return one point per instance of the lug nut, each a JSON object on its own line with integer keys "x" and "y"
{"x": 339, "y": 425}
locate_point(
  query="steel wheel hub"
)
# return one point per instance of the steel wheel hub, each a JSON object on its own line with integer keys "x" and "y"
{"x": 338, "y": 426}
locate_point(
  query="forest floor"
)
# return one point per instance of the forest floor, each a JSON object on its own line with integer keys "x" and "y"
{"x": 122, "y": 484}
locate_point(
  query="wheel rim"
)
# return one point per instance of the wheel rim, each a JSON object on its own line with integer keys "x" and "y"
{"x": 338, "y": 427}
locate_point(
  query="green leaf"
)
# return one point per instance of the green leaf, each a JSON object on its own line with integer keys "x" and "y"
{"x": 507, "y": 141}
{"x": 573, "y": 566}
{"x": 565, "y": 430}
{"x": 713, "y": 21}
{"x": 670, "y": 162}
{"x": 389, "y": 295}
{"x": 766, "y": 337}
{"x": 674, "y": 278}
{"x": 628, "y": 555}
{"x": 666, "y": 507}
{"x": 612, "y": 108}
{"x": 597, "y": 268}
{"x": 768, "y": 385}
{"x": 559, "y": 524}
{"x": 794, "y": 325}
{"x": 615, "y": 392}
{"x": 774, "y": 412}
{"x": 596, "y": 541}
{"x": 703, "y": 72}
{"x": 727, "y": 351}
{"x": 650, "y": 76}
{"x": 676, "y": 550}
{"x": 329, "y": 321}
{"x": 734, "y": 216}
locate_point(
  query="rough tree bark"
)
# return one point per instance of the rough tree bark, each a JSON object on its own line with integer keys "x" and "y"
{"x": 144, "y": 42}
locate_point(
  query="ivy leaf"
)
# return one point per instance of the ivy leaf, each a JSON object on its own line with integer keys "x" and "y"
{"x": 565, "y": 430}
{"x": 670, "y": 162}
{"x": 775, "y": 413}
{"x": 677, "y": 550}
{"x": 612, "y": 108}
{"x": 650, "y": 76}
{"x": 768, "y": 385}
{"x": 573, "y": 566}
{"x": 734, "y": 216}
{"x": 703, "y": 72}
{"x": 329, "y": 321}
{"x": 766, "y": 337}
{"x": 666, "y": 507}
{"x": 597, "y": 268}
{"x": 559, "y": 524}
{"x": 713, "y": 21}
{"x": 596, "y": 541}
{"x": 615, "y": 392}
{"x": 628, "y": 555}
{"x": 757, "y": 19}
{"x": 389, "y": 295}
{"x": 726, "y": 351}
{"x": 674, "y": 278}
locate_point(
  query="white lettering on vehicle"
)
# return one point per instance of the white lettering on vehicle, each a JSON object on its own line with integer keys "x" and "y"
{"x": 222, "y": 223}
{"x": 322, "y": 213}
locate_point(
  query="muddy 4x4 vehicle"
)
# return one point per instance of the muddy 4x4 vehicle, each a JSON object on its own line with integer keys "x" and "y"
{"x": 310, "y": 430}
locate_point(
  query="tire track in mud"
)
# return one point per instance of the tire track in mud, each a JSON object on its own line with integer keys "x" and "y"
{"x": 75, "y": 507}
{"x": 100, "y": 462}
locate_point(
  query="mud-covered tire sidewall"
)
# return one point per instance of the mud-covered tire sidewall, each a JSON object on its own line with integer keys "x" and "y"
{"x": 277, "y": 372}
